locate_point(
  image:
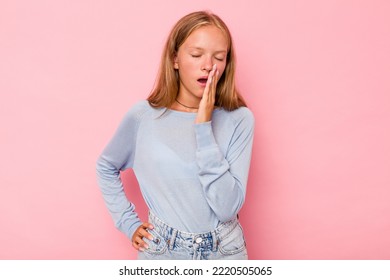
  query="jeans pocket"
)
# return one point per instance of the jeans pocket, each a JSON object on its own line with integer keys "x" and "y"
{"x": 158, "y": 245}
{"x": 233, "y": 243}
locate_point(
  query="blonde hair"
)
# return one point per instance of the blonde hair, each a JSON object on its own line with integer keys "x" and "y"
{"x": 167, "y": 83}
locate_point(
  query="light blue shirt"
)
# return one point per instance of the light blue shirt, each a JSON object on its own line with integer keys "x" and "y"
{"x": 192, "y": 176}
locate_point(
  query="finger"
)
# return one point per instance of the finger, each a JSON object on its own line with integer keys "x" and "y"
{"x": 144, "y": 233}
{"x": 215, "y": 81}
{"x": 141, "y": 243}
{"x": 209, "y": 84}
{"x": 212, "y": 73}
{"x": 213, "y": 86}
{"x": 147, "y": 225}
{"x": 138, "y": 246}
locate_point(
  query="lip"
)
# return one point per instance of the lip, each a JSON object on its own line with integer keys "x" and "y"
{"x": 203, "y": 83}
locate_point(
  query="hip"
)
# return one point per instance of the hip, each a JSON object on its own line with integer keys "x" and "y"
{"x": 225, "y": 242}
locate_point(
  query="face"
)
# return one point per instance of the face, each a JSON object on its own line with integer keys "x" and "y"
{"x": 204, "y": 47}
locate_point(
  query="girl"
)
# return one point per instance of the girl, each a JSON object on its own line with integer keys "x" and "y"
{"x": 190, "y": 147}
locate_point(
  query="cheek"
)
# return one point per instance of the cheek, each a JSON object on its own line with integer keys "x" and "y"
{"x": 188, "y": 66}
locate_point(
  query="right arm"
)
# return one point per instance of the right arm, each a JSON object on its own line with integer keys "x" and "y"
{"x": 117, "y": 156}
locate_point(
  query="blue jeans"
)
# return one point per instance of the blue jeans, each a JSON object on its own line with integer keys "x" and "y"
{"x": 226, "y": 242}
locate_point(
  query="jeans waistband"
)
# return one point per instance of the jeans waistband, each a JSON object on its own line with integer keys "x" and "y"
{"x": 204, "y": 240}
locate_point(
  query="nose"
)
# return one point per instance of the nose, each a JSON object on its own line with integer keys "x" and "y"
{"x": 207, "y": 64}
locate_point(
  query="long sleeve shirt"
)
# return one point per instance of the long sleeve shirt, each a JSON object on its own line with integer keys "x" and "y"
{"x": 192, "y": 176}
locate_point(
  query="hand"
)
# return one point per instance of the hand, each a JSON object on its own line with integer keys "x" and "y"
{"x": 139, "y": 234}
{"x": 206, "y": 105}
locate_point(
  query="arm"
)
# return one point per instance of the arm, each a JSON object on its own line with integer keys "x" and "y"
{"x": 118, "y": 155}
{"x": 224, "y": 178}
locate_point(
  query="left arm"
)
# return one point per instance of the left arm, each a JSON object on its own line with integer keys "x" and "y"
{"x": 223, "y": 178}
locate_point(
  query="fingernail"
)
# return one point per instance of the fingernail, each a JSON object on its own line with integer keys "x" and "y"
{"x": 141, "y": 249}
{"x": 146, "y": 246}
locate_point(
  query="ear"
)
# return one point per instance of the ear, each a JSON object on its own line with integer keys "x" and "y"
{"x": 175, "y": 62}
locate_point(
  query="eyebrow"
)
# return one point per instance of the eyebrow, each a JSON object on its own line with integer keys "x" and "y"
{"x": 201, "y": 49}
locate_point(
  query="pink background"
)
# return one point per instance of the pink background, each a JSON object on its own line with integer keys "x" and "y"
{"x": 316, "y": 76}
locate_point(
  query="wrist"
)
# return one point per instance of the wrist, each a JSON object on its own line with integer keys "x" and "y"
{"x": 202, "y": 120}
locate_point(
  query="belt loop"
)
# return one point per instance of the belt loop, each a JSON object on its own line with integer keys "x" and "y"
{"x": 172, "y": 240}
{"x": 215, "y": 240}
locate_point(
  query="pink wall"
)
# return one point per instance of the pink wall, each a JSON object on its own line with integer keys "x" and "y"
{"x": 315, "y": 73}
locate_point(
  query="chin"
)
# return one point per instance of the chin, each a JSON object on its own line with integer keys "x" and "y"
{"x": 199, "y": 94}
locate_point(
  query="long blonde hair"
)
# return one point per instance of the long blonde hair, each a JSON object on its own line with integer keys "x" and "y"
{"x": 167, "y": 83}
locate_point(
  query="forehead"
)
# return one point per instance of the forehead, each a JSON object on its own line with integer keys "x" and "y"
{"x": 207, "y": 37}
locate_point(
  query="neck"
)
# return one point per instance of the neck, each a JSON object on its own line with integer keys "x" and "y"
{"x": 186, "y": 106}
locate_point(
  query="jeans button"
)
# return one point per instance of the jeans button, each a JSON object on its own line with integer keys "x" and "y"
{"x": 198, "y": 240}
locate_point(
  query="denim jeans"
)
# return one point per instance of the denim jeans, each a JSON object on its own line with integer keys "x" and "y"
{"x": 226, "y": 242}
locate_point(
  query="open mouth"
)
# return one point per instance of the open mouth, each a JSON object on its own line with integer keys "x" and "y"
{"x": 202, "y": 81}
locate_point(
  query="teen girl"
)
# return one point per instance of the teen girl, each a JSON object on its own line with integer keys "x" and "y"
{"x": 190, "y": 147}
